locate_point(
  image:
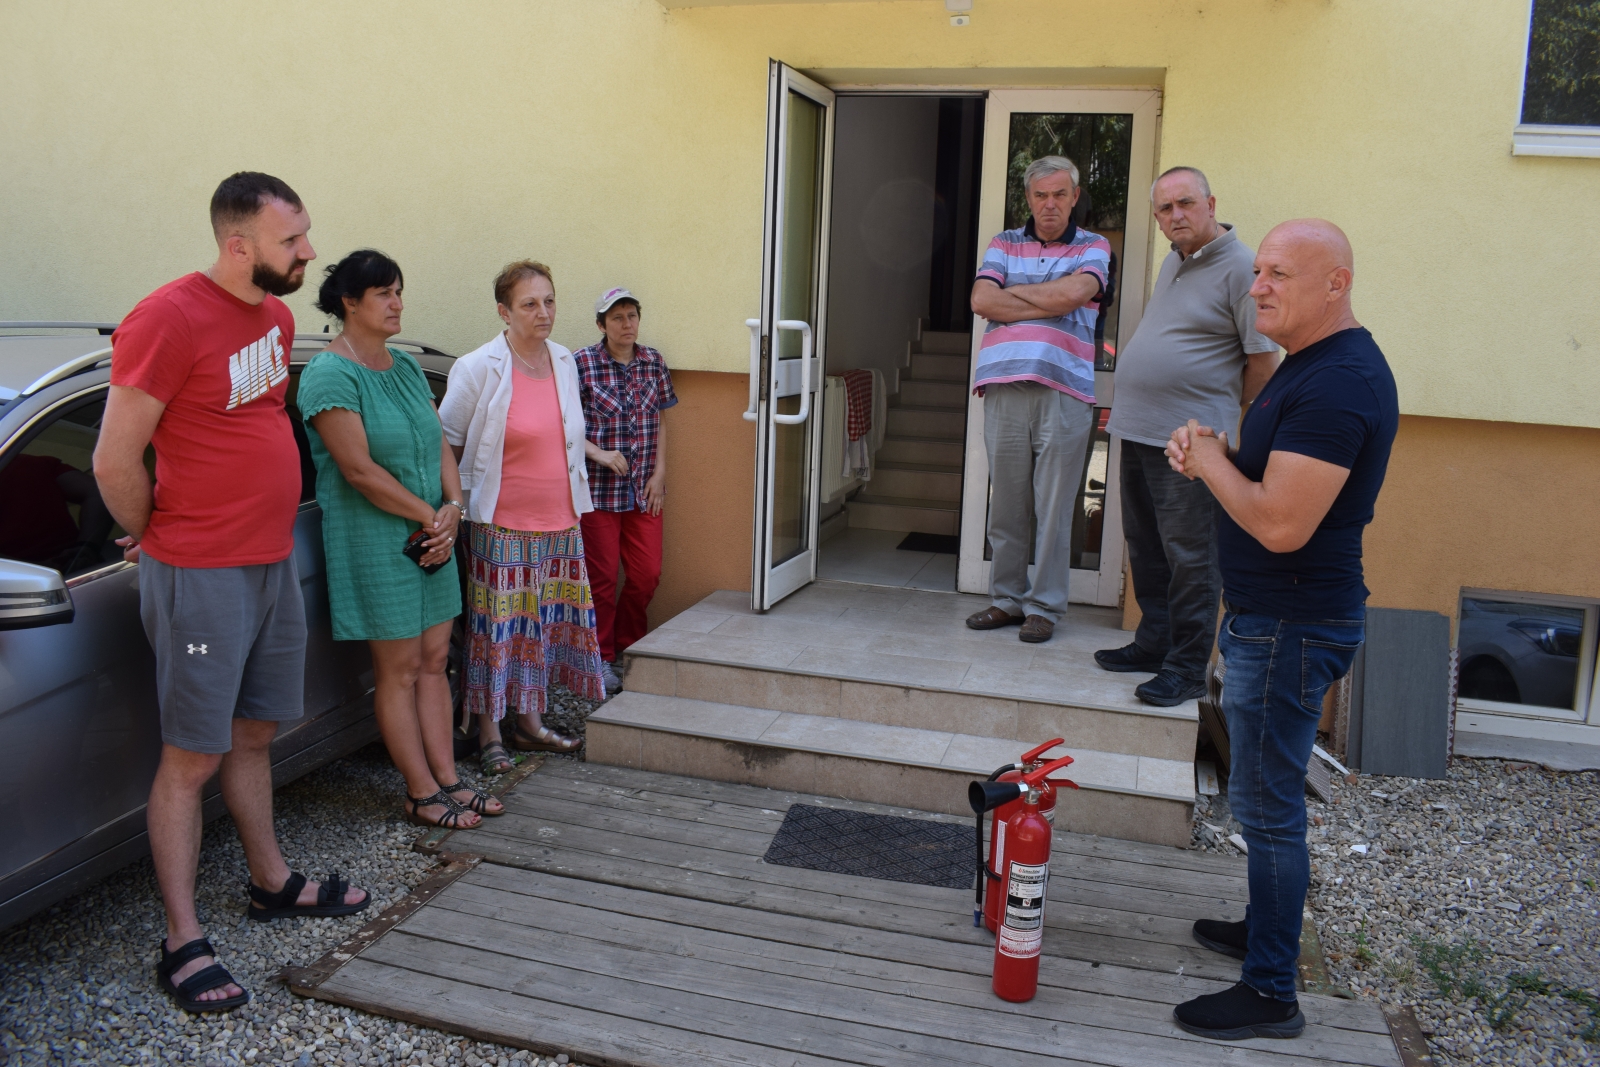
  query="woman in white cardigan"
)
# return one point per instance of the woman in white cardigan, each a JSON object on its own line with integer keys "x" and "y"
{"x": 513, "y": 416}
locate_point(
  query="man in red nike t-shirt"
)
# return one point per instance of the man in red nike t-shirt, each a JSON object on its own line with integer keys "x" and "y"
{"x": 199, "y": 370}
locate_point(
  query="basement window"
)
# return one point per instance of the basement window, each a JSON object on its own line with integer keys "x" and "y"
{"x": 1561, "y": 81}
{"x": 1527, "y": 654}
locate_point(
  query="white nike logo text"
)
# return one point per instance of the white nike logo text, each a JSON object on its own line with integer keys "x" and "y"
{"x": 257, "y": 368}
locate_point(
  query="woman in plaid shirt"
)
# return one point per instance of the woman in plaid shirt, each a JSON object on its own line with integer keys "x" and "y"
{"x": 625, "y": 387}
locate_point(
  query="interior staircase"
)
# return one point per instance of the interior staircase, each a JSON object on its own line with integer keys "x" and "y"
{"x": 883, "y": 695}
{"x": 916, "y": 483}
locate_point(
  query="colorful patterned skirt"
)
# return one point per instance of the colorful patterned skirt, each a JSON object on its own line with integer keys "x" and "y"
{"x": 532, "y": 620}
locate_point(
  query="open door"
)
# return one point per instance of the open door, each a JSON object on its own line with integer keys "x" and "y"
{"x": 1111, "y": 135}
{"x": 786, "y": 357}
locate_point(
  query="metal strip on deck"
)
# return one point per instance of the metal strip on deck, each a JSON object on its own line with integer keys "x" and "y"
{"x": 626, "y": 918}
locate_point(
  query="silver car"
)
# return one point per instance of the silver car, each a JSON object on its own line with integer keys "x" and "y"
{"x": 77, "y": 677}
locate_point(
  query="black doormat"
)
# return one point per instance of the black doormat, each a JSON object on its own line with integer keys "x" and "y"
{"x": 890, "y": 847}
{"x": 944, "y": 544}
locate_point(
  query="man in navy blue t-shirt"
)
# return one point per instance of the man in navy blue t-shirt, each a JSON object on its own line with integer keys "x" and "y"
{"x": 1295, "y": 496}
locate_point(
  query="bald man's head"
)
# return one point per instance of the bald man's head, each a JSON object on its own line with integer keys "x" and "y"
{"x": 1304, "y": 272}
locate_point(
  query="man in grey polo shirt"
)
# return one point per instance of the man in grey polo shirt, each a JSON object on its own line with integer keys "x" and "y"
{"x": 1195, "y": 355}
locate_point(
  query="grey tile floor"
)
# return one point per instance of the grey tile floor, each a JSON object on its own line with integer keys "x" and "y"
{"x": 871, "y": 557}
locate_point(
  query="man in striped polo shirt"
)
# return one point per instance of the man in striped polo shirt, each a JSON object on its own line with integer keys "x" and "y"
{"x": 1038, "y": 288}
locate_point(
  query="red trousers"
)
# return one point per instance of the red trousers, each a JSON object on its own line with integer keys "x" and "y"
{"x": 633, "y": 539}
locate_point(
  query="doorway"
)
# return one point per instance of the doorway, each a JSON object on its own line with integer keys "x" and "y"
{"x": 870, "y": 464}
{"x": 903, "y": 241}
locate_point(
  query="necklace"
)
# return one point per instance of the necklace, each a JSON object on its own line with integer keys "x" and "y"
{"x": 532, "y": 371}
{"x": 358, "y": 357}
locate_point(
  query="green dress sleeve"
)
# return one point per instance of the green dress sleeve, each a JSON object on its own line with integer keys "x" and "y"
{"x": 329, "y": 381}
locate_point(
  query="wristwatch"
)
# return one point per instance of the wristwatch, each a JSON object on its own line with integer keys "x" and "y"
{"x": 458, "y": 505}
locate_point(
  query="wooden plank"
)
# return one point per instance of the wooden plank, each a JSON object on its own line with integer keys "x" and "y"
{"x": 509, "y": 917}
{"x": 1094, "y": 1029}
{"x": 704, "y": 1011}
{"x": 873, "y": 953}
{"x": 544, "y": 1025}
{"x": 754, "y": 796}
{"x": 1118, "y": 937}
{"x": 530, "y": 801}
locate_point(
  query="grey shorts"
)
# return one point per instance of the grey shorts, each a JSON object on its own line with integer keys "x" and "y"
{"x": 230, "y": 643}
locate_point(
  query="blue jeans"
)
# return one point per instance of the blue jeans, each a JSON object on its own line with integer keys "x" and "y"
{"x": 1278, "y": 673}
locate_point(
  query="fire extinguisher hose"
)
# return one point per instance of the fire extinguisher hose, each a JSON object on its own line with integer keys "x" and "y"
{"x": 984, "y": 873}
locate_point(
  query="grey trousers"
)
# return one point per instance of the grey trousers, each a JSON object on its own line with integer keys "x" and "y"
{"x": 1037, "y": 438}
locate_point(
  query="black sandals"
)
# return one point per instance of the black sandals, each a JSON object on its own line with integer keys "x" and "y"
{"x": 205, "y": 979}
{"x": 450, "y": 820}
{"x": 265, "y": 906}
{"x": 495, "y": 759}
{"x": 478, "y": 802}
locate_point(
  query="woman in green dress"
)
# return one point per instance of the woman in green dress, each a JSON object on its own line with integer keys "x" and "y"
{"x": 383, "y": 474}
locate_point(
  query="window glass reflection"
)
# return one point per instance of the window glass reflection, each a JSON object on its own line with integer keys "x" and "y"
{"x": 1517, "y": 653}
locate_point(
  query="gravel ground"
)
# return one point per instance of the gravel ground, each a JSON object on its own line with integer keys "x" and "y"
{"x": 1474, "y": 899}
{"x": 79, "y": 985}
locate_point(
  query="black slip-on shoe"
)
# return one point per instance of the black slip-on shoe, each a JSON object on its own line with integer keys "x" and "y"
{"x": 1169, "y": 688}
{"x": 1239, "y": 1013}
{"x": 1230, "y": 939}
{"x": 1129, "y": 659}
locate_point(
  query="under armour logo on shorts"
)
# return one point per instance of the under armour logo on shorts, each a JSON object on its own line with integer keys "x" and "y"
{"x": 197, "y": 648}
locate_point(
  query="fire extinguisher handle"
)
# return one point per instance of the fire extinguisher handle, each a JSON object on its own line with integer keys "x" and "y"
{"x": 1033, "y": 778}
{"x": 1034, "y": 753}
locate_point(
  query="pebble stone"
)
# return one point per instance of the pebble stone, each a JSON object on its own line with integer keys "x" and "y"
{"x": 79, "y": 979}
{"x": 1500, "y": 856}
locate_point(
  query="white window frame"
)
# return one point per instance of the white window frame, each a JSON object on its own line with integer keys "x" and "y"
{"x": 1586, "y": 693}
{"x": 1529, "y": 139}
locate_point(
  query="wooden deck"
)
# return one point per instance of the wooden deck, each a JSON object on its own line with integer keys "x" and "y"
{"x": 625, "y": 917}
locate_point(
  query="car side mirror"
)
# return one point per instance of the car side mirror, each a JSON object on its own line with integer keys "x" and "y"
{"x": 31, "y": 595}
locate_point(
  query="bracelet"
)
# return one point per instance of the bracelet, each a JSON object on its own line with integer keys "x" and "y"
{"x": 458, "y": 505}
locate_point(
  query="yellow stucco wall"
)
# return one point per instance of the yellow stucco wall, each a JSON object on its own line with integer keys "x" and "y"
{"x": 622, "y": 142}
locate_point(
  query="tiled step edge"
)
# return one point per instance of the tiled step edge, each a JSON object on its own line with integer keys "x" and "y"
{"x": 963, "y": 754}
{"x": 1186, "y": 712}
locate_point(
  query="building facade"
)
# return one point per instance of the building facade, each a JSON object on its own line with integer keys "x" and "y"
{"x": 626, "y": 142}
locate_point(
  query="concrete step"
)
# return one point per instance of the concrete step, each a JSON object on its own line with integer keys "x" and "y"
{"x": 918, "y": 450}
{"x": 893, "y": 479}
{"x": 938, "y": 368}
{"x": 919, "y": 394}
{"x": 1138, "y": 797}
{"x": 869, "y": 511}
{"x": 853, "y": 676}
{"x": 945, "y": 341}
{"x": 927, "y": 422}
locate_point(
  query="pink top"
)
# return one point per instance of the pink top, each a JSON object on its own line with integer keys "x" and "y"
{"x": 535, "y": 491}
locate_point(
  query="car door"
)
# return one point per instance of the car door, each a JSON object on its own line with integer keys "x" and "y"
{"x": 78, "y": 719}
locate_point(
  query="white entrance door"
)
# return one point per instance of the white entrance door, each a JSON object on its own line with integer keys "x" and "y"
{"x": 786, "y": 357}
{"x": 1110, "y": 134}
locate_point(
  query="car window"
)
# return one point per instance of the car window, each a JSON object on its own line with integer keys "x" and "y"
{"x": 437, "y": 383}
{"x": 308, "y": 469}
{"x": 50, "y": 508}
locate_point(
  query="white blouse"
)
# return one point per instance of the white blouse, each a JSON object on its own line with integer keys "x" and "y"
{"x": 474, "y": 413}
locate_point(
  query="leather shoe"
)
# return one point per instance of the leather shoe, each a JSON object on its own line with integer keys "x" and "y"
{"x": 992, "y": 618}
{"x": 1230, "y": 939}
{"x": 1129, "y": 659}
{"x": 1169, "y": 689}
{"x": 1036, "y": 629}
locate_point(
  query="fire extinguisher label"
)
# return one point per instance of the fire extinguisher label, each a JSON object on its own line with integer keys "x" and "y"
{"x": 1022, "y": 933}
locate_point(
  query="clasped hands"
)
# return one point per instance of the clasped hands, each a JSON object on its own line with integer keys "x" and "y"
{"x": 1193, "y": 448}
{"x": 443, "y": 527}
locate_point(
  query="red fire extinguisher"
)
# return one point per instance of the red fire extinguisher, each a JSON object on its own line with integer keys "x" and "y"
{"x": 991, "y": 894}
{"x": 1020, "y": 937}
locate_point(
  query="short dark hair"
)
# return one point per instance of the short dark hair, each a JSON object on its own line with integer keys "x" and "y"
{"x": 514, "y": 274}
{"x": 241, "y": 197}
{"x": 352, "y": 276}
{"x": 600, "y": 319}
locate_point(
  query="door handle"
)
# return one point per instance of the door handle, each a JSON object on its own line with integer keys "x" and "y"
{"x": 805, "y": 373}
{"x": 754, "y": 326}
